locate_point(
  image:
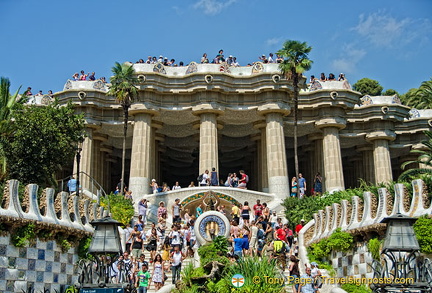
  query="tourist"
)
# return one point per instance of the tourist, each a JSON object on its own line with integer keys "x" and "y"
{"x": 205, "y": 179}
{"x": 83, "y": 76}
{"x": 273, "y": 219}
{"x": 199, "y": 211}
{"x": 176, "y": 209}
{"x": 141, "y": 61}
{"x": 294, "y": 187}
{"x": 235, "y": 180}
{"x": 187, "y": 216}
{"x": 192, "y": 240}
{"x": 154, "y": 60}
{"x": 221, "y": 209}
{"x": 279, "y": 250}
{"x": 331, "y": 77}
{"x": 269, "y": 233}
{"x": 245, "y": 245}
{"x": 263, "y": 58}
{"x": 312, "y": 79}
{"x": 341, "y": 77}
{"x": 235, "y": 213}
{"x": 176, "y": 259}
{"x": 317, "y": 184}
{"x": 257, "y": 209}
{"x": 158, "y": 276}
{"x": 142, "y": 209}
{"x": 260, "y": 239}
{"x": 75, "y": 77}
{"x": 161, "y": 227}
{"x": 235, "y": 229}
{"x": 316, "y": 275}
{"x": 165, "y": 187}
{"x": 253, "y": 242}
{"x": 175, "y": 235}
{"x": 72, "y": 184}
{"x": 301, "y": 185}
{"x": 117, "y": 191}
{"x": 323, "y": 77}
{"x": 204, "y": 59}
{"x": 228, "y": 182}
{"x": 176, "y": 186}
{"x": 265, "y": 212}
{"x": 279, "y": 59}
{"x": 39, "y": 94}
{"x": 92, "y": 76}
{"x": 238, "y": 246}
{"x": 149, "y": 60}
{"x": 140, "y": 223}
{"x": 235, "y": 63}
{"x": 192, "y": 184}
{"x": 128, "y": 195}
{"x": 294, "y": 271}
{"x": 299, "y": 226}
{"x": 137, "y": 247}
{"x": 243, "y": 180}
{"x": 160, "y": 60}
{"x": 230, "y": 60}
{"x": 214, "y": 181}
{"x": 103, "y": 79}
{"x": 143, "y": 279}
{"x": 270, "y": 58}
{"x": 162, "y": 210}
{"x": 289, "y": 235}
{"x": 128, "y": 232}
{"x": 50, "y": 93}
{"x": 152, "y": 242}
{"x": 245, "y": 213}
{"x": 306, "y": 284}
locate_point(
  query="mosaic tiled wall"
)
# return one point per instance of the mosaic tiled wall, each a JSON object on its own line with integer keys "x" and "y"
{"x": 353, "y": 263}
{"x": 40, "y": 266}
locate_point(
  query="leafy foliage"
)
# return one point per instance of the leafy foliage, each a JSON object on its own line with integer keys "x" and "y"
{"x": 374, "y": 248}
{"x": 122, "y": 209}
{"x": 21, "y": 236}
{"x": 209, "y": 253}
{"x": 83, "y": 247}
{"x": 368, "y": 87}
{"x": 354, "y": 288}
{"x": 424, "y": 158}
{"x": 43, "y": 139}
{"x": 221, "y": 244}
{"x": 390, "y": 92}
{"x": 338, "y": 241}
{"x": 420, "y": 98}
{"x": 423, "y": 231}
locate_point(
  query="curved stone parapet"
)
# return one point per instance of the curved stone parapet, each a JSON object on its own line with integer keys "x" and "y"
{"x": 361, "y": 216}
{"x": 12, "y": 209}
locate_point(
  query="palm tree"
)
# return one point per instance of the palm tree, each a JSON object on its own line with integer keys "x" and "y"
{"x": 295, "y": 62}
{"x": 424, "y": 158}
{"x": 421, "y": 98}
{"x": 123, "y": 89}
{"x": 8, "y": 103}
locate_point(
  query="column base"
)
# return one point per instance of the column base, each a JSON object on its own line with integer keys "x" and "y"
{"x": 278, "y": 185}
{"x": 139, "y": 186}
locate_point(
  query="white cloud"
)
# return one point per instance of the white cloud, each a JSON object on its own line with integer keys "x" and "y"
{"x": 212, "y": 7}
{"x": 274, "y": 41}
{"x": 349, "y": 59}
{"x": 383, "y": 30}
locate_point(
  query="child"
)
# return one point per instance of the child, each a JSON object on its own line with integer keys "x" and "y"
{"x": 143, "y": 279}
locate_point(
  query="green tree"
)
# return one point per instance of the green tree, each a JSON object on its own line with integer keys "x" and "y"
{"x": 124, "y": 90}
{"x": 8, "y": 103}
{"x": 390, "y": 92}
{"x": 368, "y": 87}
{"x": 296, "y": 61}
{"x": 421, "y": 98}
{"x": 43, "y": 139}
{"x": 424, "y": 159}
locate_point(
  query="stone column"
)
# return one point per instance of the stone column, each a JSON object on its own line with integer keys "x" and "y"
{"x": 99, "y": 159}
{"x": 381, "y": 155}
{"x": 87, "y": 158}
{"x": 276, "y": 152}
{"x": 333, "y": 171}
{"x": 368, "y": 163}
{"x": 262, "y": 156}
{"x": 106, "y": 151}
{"x": 139, "y": 180}
{"x": 208, "y": 149}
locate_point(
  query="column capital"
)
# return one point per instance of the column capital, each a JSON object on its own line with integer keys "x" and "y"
{"x": 106, "y": 149}
{"x": 261, "y": 124}
{"x": 197, "y": 124}
{"x": 282, "y": 108}
{"x": 364, "y": 148}
{"x": 381, "y": 134}
{"x": 143, "y": 108}
{"x": 207, "y": 108}
{"x": 315, "y": 136}
{"x": 100, "y": 137}
{"x": 92, "y": 125}
{"x": 337, "y": 122}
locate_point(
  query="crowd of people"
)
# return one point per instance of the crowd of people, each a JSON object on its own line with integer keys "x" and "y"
{"x": 28, "y": 92}
{"x": 218, "y": 59}
{"x": 331, "y": 77}
{"x": 89, "y": 76}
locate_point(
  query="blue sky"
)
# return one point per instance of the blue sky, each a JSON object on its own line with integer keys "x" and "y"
{"x": 44, "y": 42}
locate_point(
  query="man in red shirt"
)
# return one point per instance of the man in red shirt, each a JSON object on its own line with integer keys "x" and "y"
{"x": 299, "y": 226}
{"x": 257, "y": 209}
{"x": 280, "y": 234}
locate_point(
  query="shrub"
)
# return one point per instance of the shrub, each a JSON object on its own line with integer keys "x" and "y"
{"x": 22, "y": 235}
{"x": 209, "y": 253}
{"x": 423, "y": 232}
{"x": 83, "y": 247}
{"x": 374, "y": 248}
{"x": 121, "y": 209}
{"x": 340, "y": 240}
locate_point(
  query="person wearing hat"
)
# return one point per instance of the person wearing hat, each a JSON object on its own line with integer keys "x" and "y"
{"x": 263, "y": 58}
{"x": 154, "y": 186}
{"x": 299, "y": 226}
{"x": 160, "y": 58}
{"x": 230, "y": 60}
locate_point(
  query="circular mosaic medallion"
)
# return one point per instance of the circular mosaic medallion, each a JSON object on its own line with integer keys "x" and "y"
{"x": 210, "y": 225}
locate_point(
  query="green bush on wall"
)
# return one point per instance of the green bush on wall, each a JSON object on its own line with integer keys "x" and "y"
{"x": 21, "y": 236}
{"x": 374, "y": 248}
{"x": 353, "y": 288}
{"x": 423, "y": 231}
{"x": 122, "y": 209}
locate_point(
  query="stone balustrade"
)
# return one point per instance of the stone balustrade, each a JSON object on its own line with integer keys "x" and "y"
{"x": 360, "y": 215}
{"x": 61, "y": 212}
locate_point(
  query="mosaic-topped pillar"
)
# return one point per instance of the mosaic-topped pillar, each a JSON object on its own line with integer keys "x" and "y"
{"x": 139, "y": 180}
{"x": 275, "y": 145}
{"x": 332, "y": 157}
{"x": 208, "y": 145}
{"x": 381, "y": 155}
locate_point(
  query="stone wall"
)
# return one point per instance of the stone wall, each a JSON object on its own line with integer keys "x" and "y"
{"x": 41, "y": 266}
{"x": 354, "y": 262}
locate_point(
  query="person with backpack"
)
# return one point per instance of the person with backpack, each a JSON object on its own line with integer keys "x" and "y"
{"x": 280, "y": 252}
{"x": 204, "y": 179}
{"x": 243, "y": 180}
